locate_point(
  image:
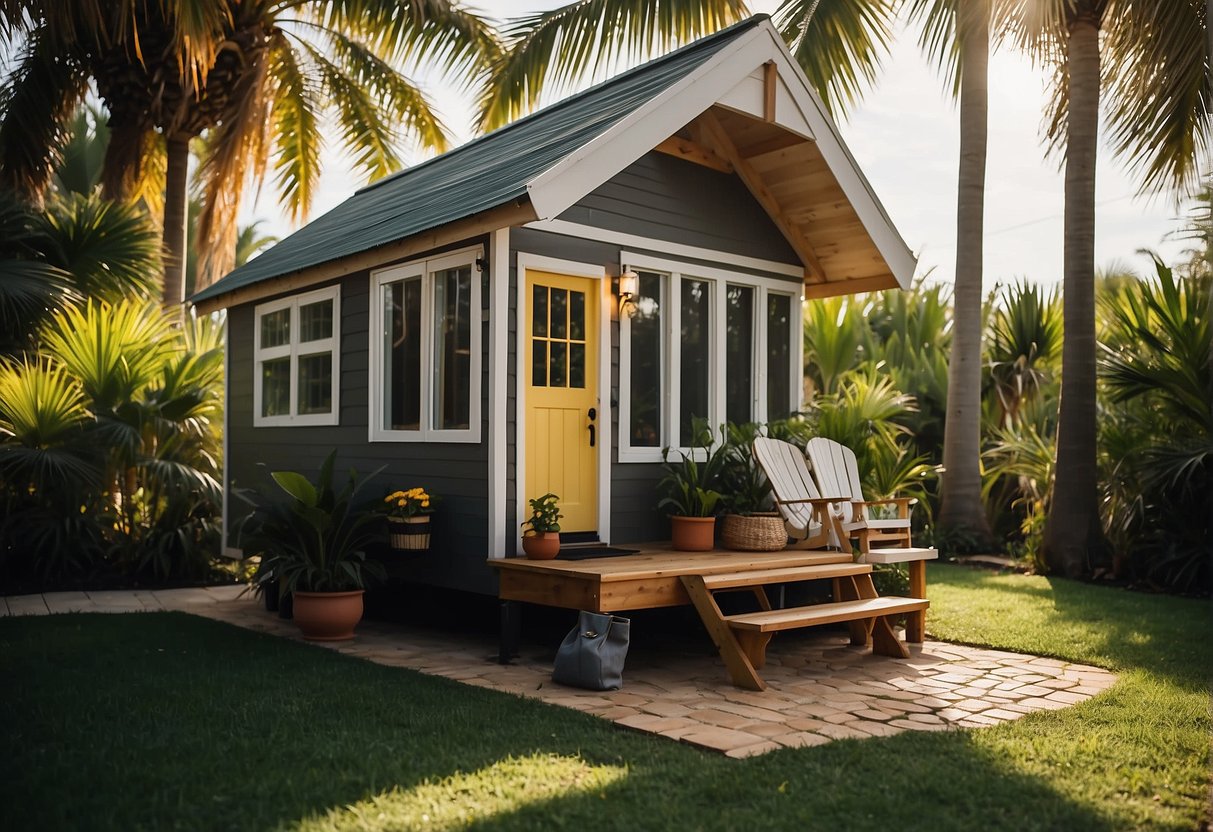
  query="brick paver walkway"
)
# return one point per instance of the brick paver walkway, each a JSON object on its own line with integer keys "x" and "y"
{"x": 820, "y": 688}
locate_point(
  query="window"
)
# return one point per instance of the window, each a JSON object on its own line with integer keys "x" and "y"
{"x": 703, "y": 342}
{"x": 297, "y": 360}
{"x": 425, "y": 350}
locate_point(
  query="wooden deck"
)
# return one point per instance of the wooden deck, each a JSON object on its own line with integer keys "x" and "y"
{"x": 650, "y": 578}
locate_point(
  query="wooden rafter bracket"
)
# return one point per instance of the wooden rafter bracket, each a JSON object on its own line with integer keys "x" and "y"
{"x": 690, "y": 151}
{"x": 712, "y": 135}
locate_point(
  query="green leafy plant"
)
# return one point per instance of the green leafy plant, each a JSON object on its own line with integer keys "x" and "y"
{"x": 545, "y": 514}
{"x": 744, "y": 489}
{"x": 691, "y": 485}
{"x": 317, "y": 540}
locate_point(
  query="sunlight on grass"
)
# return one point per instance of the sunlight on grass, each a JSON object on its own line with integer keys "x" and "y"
{"x": 462, "y": 799}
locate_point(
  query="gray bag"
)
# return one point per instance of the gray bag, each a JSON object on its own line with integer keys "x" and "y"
{"x": 592, "y": 654}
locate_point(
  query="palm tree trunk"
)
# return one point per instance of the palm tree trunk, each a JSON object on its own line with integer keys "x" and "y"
{"x": 1073, "y": 538}
{"x": 962, "y": 512}
{"x": 175, "y": 213}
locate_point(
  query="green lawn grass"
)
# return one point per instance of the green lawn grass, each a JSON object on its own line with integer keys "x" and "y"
{"x": 165, "y": 721}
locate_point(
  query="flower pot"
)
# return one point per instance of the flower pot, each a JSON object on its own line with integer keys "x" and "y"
{"x": 541, "y": 546}
{"x": 328, "y": 616}
{"x": 753, "y": 532}
{"x": 692, "y": 534}
{"x": 410, "y": 534}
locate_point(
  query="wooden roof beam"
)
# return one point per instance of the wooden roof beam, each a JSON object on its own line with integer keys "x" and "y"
{"x": 693, "y": 152}
{"x": 713, "y": 135}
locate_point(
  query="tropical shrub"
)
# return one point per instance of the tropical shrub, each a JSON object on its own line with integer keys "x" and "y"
{"x": 110, "y": 448}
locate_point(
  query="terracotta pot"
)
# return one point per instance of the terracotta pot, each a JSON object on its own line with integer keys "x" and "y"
{"x": 692, "y": 534}
{"x": 410, "y": 534}
{"x": 542, "y": 546}
{"x": 328, "y": 616}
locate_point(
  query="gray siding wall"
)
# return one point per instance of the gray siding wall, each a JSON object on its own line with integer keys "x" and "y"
{"x": 671, "y": 199}
{"x": 456, "y": 472}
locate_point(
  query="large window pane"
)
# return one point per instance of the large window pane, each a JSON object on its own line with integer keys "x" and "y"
{"x": 453, "y": 348}
{"x": 316, "y": 383}
{"x": 779, "y": 356}
{"x": 645, "y": 370}
{"x": 276, "y": 387}
{"x": 402, "y": 354}
{"x": 276, "y": 328}
{"x": 739, "y": 354}
{"x": 316, "y": 321}
{"x": 695, "y": 308}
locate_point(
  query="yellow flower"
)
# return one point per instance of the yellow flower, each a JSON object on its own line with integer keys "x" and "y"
{"x": 401, "y": 503}
{"x": 425, "y": 503}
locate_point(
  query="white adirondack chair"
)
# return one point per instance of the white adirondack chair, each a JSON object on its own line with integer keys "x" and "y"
{"x": 806, "y": 514}
{"x": 837, "y": 473}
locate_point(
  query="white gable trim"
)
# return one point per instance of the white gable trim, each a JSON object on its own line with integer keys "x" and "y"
{"x": 725, "y": 78}
{"x": 583, "y": 170}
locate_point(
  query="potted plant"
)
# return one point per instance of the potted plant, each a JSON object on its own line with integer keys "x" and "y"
{"x": 690, "y": 489}
{"x": 542, "y": 542}
{"x": 748, "y": 523}
{"x": 315, "y": 545}
{"x": 408, "y": 514}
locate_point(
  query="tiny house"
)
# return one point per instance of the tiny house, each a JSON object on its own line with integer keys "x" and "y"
{"x": 546, "y": 307}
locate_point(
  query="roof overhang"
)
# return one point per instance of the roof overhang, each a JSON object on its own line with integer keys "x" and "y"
{"x": 772, "y": 130}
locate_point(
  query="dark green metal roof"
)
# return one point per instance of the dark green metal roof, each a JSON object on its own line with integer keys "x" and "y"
{"x": 487, "y": 172}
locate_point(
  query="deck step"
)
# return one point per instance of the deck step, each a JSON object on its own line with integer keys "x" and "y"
{"x": 783, "y": 575}
{"x": 788, "y": 619}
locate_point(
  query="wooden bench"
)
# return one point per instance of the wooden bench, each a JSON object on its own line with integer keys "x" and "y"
{"x": 742, "y": 639}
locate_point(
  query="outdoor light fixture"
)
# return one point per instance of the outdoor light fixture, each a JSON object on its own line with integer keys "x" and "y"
{"x": 629, "y": 285}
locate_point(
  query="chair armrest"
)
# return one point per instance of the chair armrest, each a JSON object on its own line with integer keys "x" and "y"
{"x": 908, "y": 501}
{"x": 814, "y": 500}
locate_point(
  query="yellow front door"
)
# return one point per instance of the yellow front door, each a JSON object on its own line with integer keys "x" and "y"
{"x": 562, "y": 410}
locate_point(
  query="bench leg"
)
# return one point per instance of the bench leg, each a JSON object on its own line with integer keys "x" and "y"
{"x": 741, "y": 669}
{"x": 852, "y": 588}
{"x": 511, "y": 626}
{"x": 885, "y": 641}
{"x": 754, "y": 645}
{"x": 916, "y": 621}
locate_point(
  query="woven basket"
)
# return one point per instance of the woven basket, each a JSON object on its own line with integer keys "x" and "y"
{"x": 753, "y": 532}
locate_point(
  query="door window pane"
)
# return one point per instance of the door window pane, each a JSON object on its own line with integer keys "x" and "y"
{"x": 539, "y": 311}
{"x": 316, "y": 383}
{"x": 276, "y": 328}
{"x": 739, "y": 354}
{"x": 276, "y": 387}
{"x": 779, "y": 356}
{"x": 577, "y": 366}
{"x": 539, "y": 363}
{"x": 645, "y": 370}
{"x": 576, "y": 316}
{"x": 560, "y": 311}
{"x": 558, "y": 373}
{"x": 453, "y": 348}
{"x": 695, "y": 306}
{"x": 316, "y": 321}
{"x": 402, "y": 352}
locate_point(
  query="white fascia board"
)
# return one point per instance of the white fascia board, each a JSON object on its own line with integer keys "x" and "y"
{"x": 574, "y": 176}
{"x": 842, "y": 164}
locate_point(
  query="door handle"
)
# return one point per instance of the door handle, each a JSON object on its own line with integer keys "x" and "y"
{"x": 593, "y": 415}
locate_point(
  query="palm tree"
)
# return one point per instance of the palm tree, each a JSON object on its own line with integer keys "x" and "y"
{"x": 253, "y": 78}
{"x": 1153, "y": 64}
{"x": 957, "y": 37}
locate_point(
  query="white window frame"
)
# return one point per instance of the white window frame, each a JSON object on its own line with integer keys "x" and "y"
{"x": 425, "y": 269}
{"x": 673, "y": 272}
{"x": 293, "y": 349}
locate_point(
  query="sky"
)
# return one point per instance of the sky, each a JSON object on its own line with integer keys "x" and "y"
{"x": 904, "y": 134}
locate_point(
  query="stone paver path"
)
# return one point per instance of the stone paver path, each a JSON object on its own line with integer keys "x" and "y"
{"x": 820, "y": 688}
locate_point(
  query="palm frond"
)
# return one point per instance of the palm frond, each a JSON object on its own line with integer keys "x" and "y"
{"x": 561, "y": 46}
{"x": 37, "y": 101}
{"x": 110, "y": 250}
{"x": 234, "y": 152}
{"x": 115, "y": 351}
{"x": 1160, "y": 91}
{"x": 297, "y": 137}
{"x": 838, "y": 43}
{"x": 40, "y": 403}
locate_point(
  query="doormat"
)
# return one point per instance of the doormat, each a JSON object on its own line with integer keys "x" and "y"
{"x": 594, "y": 552}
